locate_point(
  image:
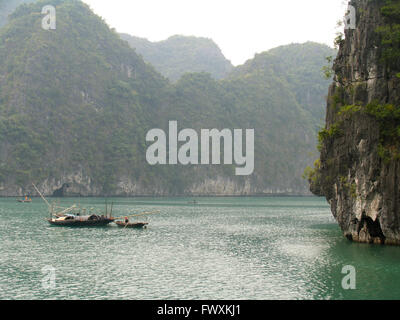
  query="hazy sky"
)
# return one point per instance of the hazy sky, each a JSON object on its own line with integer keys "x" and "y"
{"x": 241, "y": 28}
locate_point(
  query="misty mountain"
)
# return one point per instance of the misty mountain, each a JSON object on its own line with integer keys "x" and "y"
{"x": 181, "y": 54}
{"x": 76, "y": 104}
{"x": 300, "y": 67}
{"x": 72, "y": 100}
{"x": 7, "y": 7}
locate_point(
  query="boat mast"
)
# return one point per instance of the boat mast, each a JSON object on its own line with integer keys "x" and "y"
{"x": 51, "y": 207}
{"x": 44, "y": 199}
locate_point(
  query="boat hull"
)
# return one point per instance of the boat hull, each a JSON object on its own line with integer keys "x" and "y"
{"x": 137, "y": 225}
{"x": 77, "y": 223}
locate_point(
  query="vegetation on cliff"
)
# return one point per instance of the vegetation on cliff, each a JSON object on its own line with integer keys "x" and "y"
{"x": 390, "y": 32}
{"x": 7, "y": 7}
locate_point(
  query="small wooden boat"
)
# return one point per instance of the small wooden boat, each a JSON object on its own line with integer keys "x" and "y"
{"x": 136, "y": 225}
{"x": 78, "y": 221}
{"x": 26, "y": 200}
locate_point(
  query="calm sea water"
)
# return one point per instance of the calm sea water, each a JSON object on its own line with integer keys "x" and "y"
{"x": 220, "y": 248}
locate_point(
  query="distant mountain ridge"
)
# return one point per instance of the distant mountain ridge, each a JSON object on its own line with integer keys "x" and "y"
{"x": 299, "y": 64}
{"x": 76, "y": 104}
{"x": 181, "y": 54}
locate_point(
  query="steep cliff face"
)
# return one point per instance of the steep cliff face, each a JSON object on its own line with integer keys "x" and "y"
{"x": 79, "y": 184}
{"x": 359, "y": 168}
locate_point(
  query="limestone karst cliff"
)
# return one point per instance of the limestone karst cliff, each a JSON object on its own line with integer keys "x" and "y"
{"x": 359, "y": 167}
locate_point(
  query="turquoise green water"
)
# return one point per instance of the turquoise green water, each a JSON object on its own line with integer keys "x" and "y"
{"x": 221, "y": 248}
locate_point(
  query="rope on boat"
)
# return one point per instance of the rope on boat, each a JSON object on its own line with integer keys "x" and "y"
{"x": 75, "y": 206}
{"x": 37, "y": 190}
{"x": 67, "y": 210}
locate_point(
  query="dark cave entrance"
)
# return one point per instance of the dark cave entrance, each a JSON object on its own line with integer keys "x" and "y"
{"x": 373, "y": 227}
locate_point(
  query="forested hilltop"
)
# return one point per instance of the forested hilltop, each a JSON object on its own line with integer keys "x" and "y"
{"x": 181, "y": 54}
{"x": 7, "y": 7}
{"x": 76, "y": 104}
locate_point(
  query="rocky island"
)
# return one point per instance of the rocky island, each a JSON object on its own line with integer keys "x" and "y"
{"x": 359, "y": 167}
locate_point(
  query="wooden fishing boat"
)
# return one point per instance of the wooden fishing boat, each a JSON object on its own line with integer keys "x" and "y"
{"x": 75, "y": 216}
{"x": 78, "y": 221}
{"x": 136, "y": 225}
